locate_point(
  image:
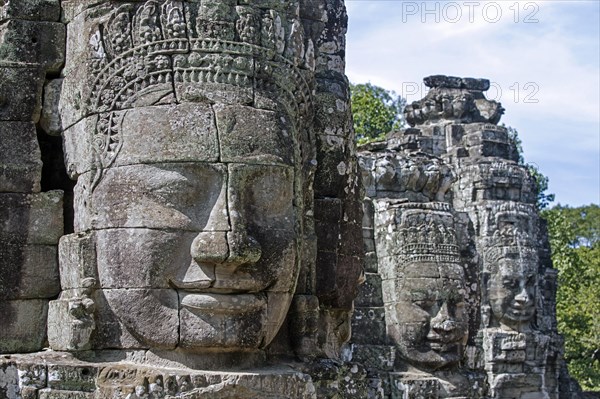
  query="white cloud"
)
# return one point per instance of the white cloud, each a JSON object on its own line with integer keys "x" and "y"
{"x": 557, "y": 56}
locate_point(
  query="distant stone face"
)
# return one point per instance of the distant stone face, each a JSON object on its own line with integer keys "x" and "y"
{"x": 427, "y": 309}
{"x": 510, "y": 283}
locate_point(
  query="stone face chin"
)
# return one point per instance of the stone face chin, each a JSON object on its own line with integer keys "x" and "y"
{"x": 223, "y": 321}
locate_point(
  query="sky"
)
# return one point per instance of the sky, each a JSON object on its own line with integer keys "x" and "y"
{"x": 542, "y": 57}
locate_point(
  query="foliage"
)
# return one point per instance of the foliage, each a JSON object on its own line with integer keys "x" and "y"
{"x": 584, "y": 223}
{"x": 574, "y": 238}
{"x": 376, "y": 112}
{"x": 541, "y": 181}
{"x": 541, "y": 184}
{"x": 513, "y": 137}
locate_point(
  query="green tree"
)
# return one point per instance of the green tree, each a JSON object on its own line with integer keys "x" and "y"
{"x": 541, "y": 181}
{"x": 574, "y": 238}
{"x": 376, "y": 111}
{"x": 575, "y": 241}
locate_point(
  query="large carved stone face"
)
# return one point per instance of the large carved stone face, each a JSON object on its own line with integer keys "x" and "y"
{"x": 430, "y": 315}
{"x": 197, "y": 248}
{"x": 511, "y": 291}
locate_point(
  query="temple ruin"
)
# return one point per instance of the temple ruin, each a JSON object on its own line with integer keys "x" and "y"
{"x": 185, "y": 215}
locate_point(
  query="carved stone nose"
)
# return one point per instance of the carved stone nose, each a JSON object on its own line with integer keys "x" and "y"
{"x": 442, "y": 322}
{"x": 243, "y": 248}
{"x": 445, "y": 326}
{"x": 522, "y": 297}
{"x": 210, "y": 247}
{"x": 231, "y": 248}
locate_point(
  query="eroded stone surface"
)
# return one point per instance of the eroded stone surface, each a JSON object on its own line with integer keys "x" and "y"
{"x": 30, "y": 42}
{"x": 20, "y": 158}
{"x": 31, "y": 45}
{"x": 56, "y": 375}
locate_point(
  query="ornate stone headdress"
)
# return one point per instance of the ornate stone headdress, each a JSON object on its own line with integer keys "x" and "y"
{"x": 509, "y": 242}
{"x": 425, "y": 233}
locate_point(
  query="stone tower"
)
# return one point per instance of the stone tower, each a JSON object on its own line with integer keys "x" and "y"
{"x": 455, "y": 160}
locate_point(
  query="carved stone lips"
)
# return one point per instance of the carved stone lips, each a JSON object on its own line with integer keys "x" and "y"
{"x": 521, "y": 310}
{"x": 440, "y": 346}
{"x": 195, "y": 286}
{"x": 233, "y": 303}
{"x": 241, "y": 285}
{"x": 443, "y": 342}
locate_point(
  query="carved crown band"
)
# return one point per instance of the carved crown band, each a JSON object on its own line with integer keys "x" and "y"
{"x": 141, "y": 50}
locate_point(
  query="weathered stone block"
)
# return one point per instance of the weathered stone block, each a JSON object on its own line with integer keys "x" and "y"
{"x": 149, "y": 318}
{"x": 20, "y": 92}
{"x": 23, "y": 325}
{"x": 220, "y": 328}
{"x": 41, "y": 43}
{"x": 183, "y": 133}
{"x": 20, "y": 157}
{"x": 180, "y": 133}
{"x": 49, "y": 393}
{"x": 50, "y": 120}
{"x": 380, "y": 357}
{"x": 76, "y": 89}
{"x": 350, "y": 230}
{"x": 72, "y": 377}
{"x": 332, "y": 157}
{"x": 489, "y": 149}
{"x": 241, "y": 141}
{"x": 196, "y": 88}
{"x": 336, "y": 279}
{"x": 70, "y": 321}
{"x": 368, "y": 326}
{"x": 9, "y": 379}
{"x": 369, "y": 245}
{"x": 370, "y": 291}
{"x": 78, "y": 147}
{"x": 77, "y": 260}
{"x": 28, "y": 271}
{"x": 407, "y": 386}
{"x": 328, "y": 215}
{"x": 332, "y": 114}
{"x": 370, "y": 262}
{"x": 32, "y": 218}
{"x": 160, "y": 196}
{"x": 38, "y": 10}
{"x": 72, "y": 8}
{"x": 164, "y": 254}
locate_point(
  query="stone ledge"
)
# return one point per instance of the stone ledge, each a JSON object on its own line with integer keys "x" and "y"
{"x": 54, "y": 375}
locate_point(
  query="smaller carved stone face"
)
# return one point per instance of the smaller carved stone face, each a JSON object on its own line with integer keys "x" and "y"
{"x": 511, "y": 292}
{"x": 431, "y": 315}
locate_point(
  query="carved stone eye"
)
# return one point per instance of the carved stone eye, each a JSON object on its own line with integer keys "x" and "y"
{"x": 510, "y": 283}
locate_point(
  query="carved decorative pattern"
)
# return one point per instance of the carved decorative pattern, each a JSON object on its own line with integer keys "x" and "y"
{"x": 140, "y": 53}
